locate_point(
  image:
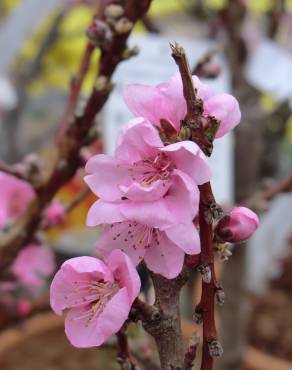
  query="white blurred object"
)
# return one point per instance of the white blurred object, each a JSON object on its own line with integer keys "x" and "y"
{"x": 269, "y": 244}
{"x": 154, "y": 65}
{"x": 269, "y": 69}
{"x": 8, "y": 97}
{"x": 20, "y": 25}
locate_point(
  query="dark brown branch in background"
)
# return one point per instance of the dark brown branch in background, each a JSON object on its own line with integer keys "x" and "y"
{"x": 211, "y": 346}
{"x": 282, "y": 186}
{"x": 124, "y": 356}
{"x": 68, "y": 160}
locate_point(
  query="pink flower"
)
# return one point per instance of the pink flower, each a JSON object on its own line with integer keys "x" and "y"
{"x": 15, "y": 196}
{"x": 99, "y": 297}
{"x": 242, "y": 224}
{"x": 33, "y": 265}
{"x": 55, "y": 214}
{"x": 162, "y": 250}
{"x": 146, "y": 175}
{"x": 166, "y": 101}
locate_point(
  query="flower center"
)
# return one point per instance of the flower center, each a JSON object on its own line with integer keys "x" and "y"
{"x": 152, "y": 169}
{"x": 135, "y": 234}
{"x": 93, "y": 297}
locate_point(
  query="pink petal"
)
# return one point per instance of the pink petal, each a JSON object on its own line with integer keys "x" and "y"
{"x": 125, "y": 272}
{"x": 186, "y": 237}
{"x": 63, "y": 292}
{"x": 180, "y": 205}
{"x": 225, "y": 108}
{"x": 153, "y": 191}
{"x": 116, "y": 236}
{"x": 189, "y": 158}
{"x": 105, "y": 176}
{"x": 103, "y": 213}
{"x": 204, "y": 91}
{"x": 83, "y": 333}
{"x": 165, "y": 259}
{"x": 138, "y": 141}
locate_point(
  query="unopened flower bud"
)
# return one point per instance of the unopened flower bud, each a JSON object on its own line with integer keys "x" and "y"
{"x": 114, "y": 11}
{"x": 240, "y": 226}
{"x": 99, "y": 33}
{"x": 215, "y": 348}
{"x": 198, "y": 315}
{"x": 55, "y": 214}
{"x": 205, "y": 271}
{"x": 123, "y": 25}
{"x": 220, "y": 296}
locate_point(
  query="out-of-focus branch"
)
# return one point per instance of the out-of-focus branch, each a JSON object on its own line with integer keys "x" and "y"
{"x": 282, "y": 186}
{"x": 124, "y": 356}
{"x": 76, "y": 133}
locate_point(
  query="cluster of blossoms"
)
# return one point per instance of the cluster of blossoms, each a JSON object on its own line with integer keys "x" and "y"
{"x": 148, "y": 199}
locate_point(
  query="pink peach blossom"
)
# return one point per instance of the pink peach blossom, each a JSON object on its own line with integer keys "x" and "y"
{"x": 145, "y": 174}
{"x": 162, "y": 250}
{"x": 166, "y": 101}
{"x": 242, "y": 224}
{"x": 33, "y": 265}
{"x": 15, "y": 196}
{"x": 98, "y": 296}
{"x": 55, "y": 214}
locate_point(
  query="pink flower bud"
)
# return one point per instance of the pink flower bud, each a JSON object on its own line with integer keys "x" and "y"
{"x": 23, "y": 307}
{"x": 55, "y": 214}
{"x": 241, "y": 225}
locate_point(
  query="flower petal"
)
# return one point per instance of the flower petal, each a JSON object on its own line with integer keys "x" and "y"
{"x": 165, "y": 259}
{"x": 125, "y": 272}
{"x": 189, "y": 158}
{"x": 186, "y": 237}
{"x": 105, "y": 176}
{"x": 103, "y": 213}
{"x": 152, "y": 191}
{"x": 84, "y": 333}
{"x": 139, "y": 140}
{"x": 117, "y": 236}
{"x": 225, "y": 108}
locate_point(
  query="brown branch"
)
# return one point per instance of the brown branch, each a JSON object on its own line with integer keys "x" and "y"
{"x": 191, "y": 353}
{"x": 200, "y": 68}
{"x": 207, "y": 212}
{"x": 124, "y": 356}
{"x": 68, "y": 160}
{"x": 283, "y": 186}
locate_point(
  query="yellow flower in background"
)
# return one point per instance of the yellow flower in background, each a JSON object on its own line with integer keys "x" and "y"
{"x": 217, "y": 4}
{"x": 163, "y": 7}
{"x": 9, "y": 5}
{"x": 288, "y": 4}
{"x": 268, "y": 103}
{"x": 260, "y": 6}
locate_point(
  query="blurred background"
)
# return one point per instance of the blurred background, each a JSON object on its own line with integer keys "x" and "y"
{"x": 247, "y": 51}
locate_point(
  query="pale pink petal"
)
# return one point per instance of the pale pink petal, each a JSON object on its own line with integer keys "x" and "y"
{"x": 119, "y": 236}
{"x": 186, "y": 237}
{"x": 204, "y": 91}
{"x": 180, "y": 205}
{"x": 189, "y": 158}
{"x": 139, "y": 141}
{"x": 105, "y": 176}
{"x": 84, "y": 333}
{"x": 125, "y": 273}
{"x": 145, "y": 101}
{"x": 165, "y": 259}
{"x": 152, "y": 191}
{"x": 225, "y": 108}
{"x": 103, "y": 213}
{"x": 63, "y": 293}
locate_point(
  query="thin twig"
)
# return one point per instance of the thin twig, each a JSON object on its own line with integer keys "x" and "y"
{"x": 124, "y": 356}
